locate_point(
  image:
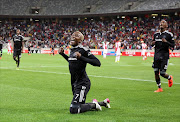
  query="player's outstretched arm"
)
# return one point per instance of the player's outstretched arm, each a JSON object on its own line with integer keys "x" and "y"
{"x": 61, "y": 52}
{"x": 91, "y": 59}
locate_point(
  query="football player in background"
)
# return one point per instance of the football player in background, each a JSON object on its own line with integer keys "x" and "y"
{"x": 1, "y": 46}
{"x": 9, "y": 47}
{"x": 78, "y": 59}
{"x": 52, "y": 50}
{"x": 105, "y": 47}
{"x": 29, "y": 49}
{"x": 162, "y": 40}
{"x": 118, "y": 50}
{"x": 143, "y": 53}
{"x": 18, "y": 46}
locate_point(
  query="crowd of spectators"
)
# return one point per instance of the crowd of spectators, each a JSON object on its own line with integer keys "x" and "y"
{"x": 130, "y": 30}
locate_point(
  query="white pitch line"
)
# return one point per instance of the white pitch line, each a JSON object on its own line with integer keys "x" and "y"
{"x": 171, "y": 64}
{"x": 120, "y": 78}
{"x": 42, "y": 66}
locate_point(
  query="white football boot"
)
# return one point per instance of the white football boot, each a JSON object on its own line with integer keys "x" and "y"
{"x": 98, "y": 107}
{"x": 107, "y": 102}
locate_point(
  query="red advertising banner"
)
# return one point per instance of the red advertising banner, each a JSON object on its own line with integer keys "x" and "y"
{"x": 131, "y": 53}
{"x": 172, "y": 54}
{"x": 125, "y": 53}
{"x": 48, "y": 51}
{"x": 66, "y": 52}
{"x": 149, "y": 54}
{"x": 96, "y": 52}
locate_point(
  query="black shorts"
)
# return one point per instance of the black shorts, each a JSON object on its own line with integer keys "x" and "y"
{"x": 79, "y": 94}
{"x": 17, "y": 53}
{"x": 160, "y": 64}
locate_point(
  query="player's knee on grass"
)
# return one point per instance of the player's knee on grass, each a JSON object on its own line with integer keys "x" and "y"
{"x": 75, "y": 108}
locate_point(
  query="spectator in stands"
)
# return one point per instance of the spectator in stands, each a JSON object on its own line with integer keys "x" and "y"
{"x": 131, "y": 30}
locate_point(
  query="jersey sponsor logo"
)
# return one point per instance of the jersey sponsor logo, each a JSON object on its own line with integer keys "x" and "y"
{"x": 159, "y": 40}
{"x": 72, "y": 59}
{"x": 17, "y": 40}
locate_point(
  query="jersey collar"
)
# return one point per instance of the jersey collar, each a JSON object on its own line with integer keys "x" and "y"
{"x": 163, "y": 31}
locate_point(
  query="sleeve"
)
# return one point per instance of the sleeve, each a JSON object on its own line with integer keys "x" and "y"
{"x": 153, "y": 41}
{"x": 171, "y": 42}
{"x": 90, "y": 58}
{"x": 65, "y": 56}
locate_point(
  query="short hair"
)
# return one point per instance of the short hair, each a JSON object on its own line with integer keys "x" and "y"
{"x": 165, "y": 21}
{"x": 80, "y": 34}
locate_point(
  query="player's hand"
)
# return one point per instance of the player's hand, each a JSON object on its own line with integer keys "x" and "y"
{"x": 164, "y": 40}
{"x": 61, "y": 50}
{"x": 78, "y": 55}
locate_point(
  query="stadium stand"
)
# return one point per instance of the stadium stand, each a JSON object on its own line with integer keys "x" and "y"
{"x": 74, "y": 7}
{"x": 130, "y": 30}
{"x": 46, "y": 32}
{"x": 158, "y": 5}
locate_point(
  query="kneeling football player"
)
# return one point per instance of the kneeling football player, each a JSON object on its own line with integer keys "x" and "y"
{"x": 78, "y": 59}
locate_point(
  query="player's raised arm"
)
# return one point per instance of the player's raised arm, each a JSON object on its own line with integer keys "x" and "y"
{"x": 61, "y": 52}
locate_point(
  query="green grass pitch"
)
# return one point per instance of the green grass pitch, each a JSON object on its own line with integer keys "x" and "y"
{"x": 41, "y": 91}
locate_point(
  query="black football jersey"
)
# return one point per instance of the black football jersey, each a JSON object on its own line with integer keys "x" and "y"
{"x": 17, "y": 39}
{"x": 1, "y": 45}
{"x": 162, "y": 48}
{"x": 77, "y": 67}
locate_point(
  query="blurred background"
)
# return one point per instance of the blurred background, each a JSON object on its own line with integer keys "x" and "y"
{"x": 46, "y": 23}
